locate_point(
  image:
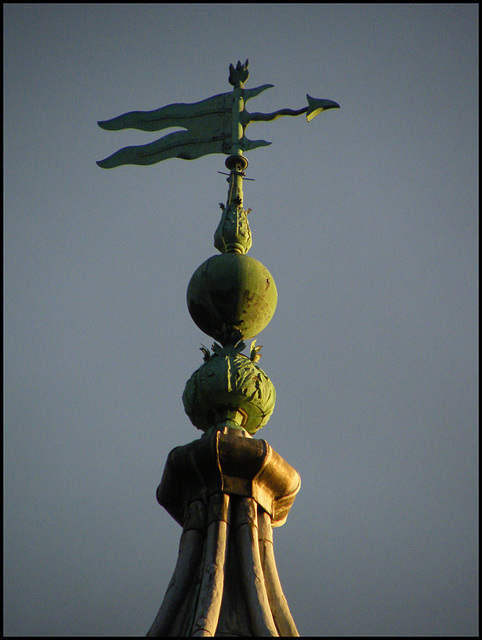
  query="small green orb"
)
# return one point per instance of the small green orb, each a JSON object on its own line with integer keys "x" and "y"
{"x": 227, "y": 385}
{"x": 231, "y": 296}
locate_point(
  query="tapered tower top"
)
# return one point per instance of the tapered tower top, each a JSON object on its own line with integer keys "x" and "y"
{"x": 226, "y": 489}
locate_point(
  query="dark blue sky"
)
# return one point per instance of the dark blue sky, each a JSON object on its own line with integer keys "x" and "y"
{"x": 367, "y": 218}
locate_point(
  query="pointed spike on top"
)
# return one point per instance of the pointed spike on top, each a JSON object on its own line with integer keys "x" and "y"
{"x": 238, "y": 75}
{"x": 254, "y": 352}
{"x": 217, "y": 348}
{"x": 206, "y": 353}
{"x": 240, "y": 345}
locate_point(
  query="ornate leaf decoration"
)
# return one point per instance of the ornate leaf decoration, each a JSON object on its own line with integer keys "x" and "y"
{"x": 206, "y": 353}
{"x": 254, "y": 354}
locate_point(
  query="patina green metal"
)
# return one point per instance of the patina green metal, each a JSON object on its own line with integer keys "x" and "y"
{"x": 213, "y": 125}
{"x": 209, "y": 124}
{"x": 226, "y": 489}
{"x": 229, "y": 390}
{"x": 233, "y": 233}
{"x": 232, "y": 296}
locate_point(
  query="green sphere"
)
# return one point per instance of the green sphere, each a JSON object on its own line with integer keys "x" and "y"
{"x": 226, "y": 384}
{"x": 231, "y": 296}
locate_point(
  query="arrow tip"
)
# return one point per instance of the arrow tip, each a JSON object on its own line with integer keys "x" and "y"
{"x": 317, "y": 105}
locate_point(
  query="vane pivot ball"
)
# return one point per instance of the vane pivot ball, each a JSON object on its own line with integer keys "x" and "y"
{"x": 232, "y": 296}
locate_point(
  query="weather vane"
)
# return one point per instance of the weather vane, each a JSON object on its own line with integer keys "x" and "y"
{"x": 226, "y": 489}
{"x": 215, "y": 125}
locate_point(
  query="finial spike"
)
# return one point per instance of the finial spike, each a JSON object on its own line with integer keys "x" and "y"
{"x": 238, "y": 76}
